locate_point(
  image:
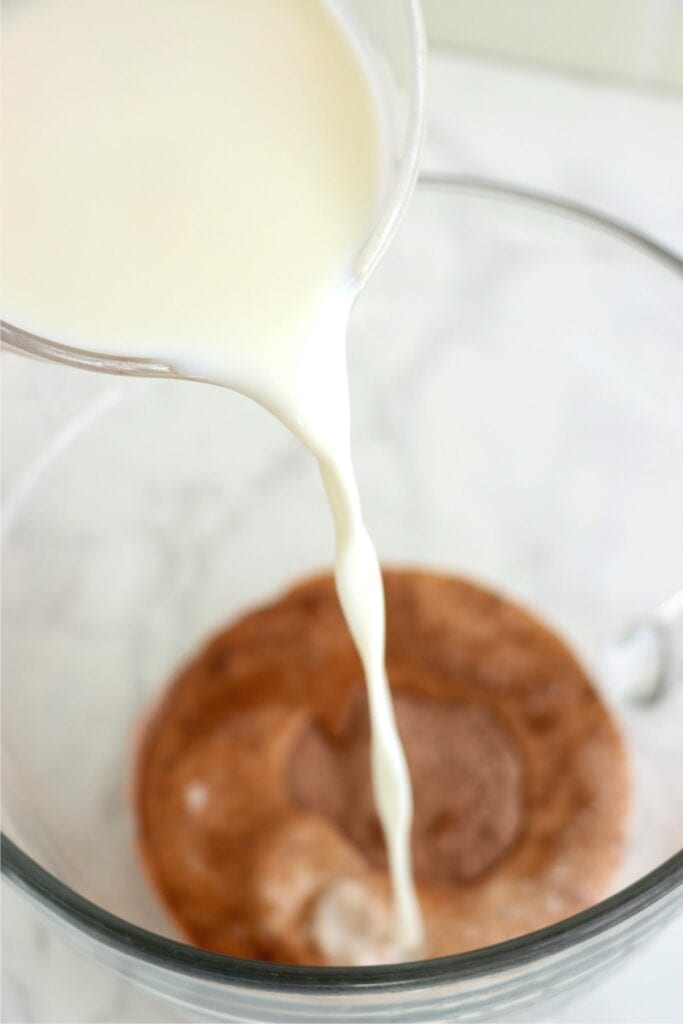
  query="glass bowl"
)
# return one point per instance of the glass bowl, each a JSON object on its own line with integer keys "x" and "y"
{"x": 517, "y": 375}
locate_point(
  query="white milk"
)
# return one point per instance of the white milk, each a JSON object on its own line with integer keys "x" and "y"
{"x": 191, "y": 181}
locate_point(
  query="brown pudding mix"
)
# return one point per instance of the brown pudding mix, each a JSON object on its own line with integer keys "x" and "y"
{"x": 255, "y": 812}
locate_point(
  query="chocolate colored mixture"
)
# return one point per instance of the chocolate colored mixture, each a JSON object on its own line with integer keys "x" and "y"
{"x": 253, "y": 780}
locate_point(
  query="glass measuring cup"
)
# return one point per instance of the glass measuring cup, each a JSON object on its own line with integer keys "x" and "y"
{"x": 390, "y": 34}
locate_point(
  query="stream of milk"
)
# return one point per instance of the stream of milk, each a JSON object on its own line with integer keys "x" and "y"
{"x": 192, "y": 181}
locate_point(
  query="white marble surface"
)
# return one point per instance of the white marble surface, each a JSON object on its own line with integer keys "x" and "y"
{"x": 614, "y": 148}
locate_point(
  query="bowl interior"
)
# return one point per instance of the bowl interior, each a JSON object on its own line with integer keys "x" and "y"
{"x": 516, "y": 388}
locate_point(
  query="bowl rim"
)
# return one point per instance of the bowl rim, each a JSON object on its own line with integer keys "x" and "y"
{"x": 179, "y": 957}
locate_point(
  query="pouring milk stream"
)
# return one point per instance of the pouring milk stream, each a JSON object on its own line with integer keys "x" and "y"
{"x": 192, "y": 182}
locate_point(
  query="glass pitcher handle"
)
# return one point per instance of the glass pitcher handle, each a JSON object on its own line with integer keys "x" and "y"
{"x": 646, "y": 661}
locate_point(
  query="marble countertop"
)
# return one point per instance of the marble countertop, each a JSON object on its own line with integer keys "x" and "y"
{"x": 610, "y": 146}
